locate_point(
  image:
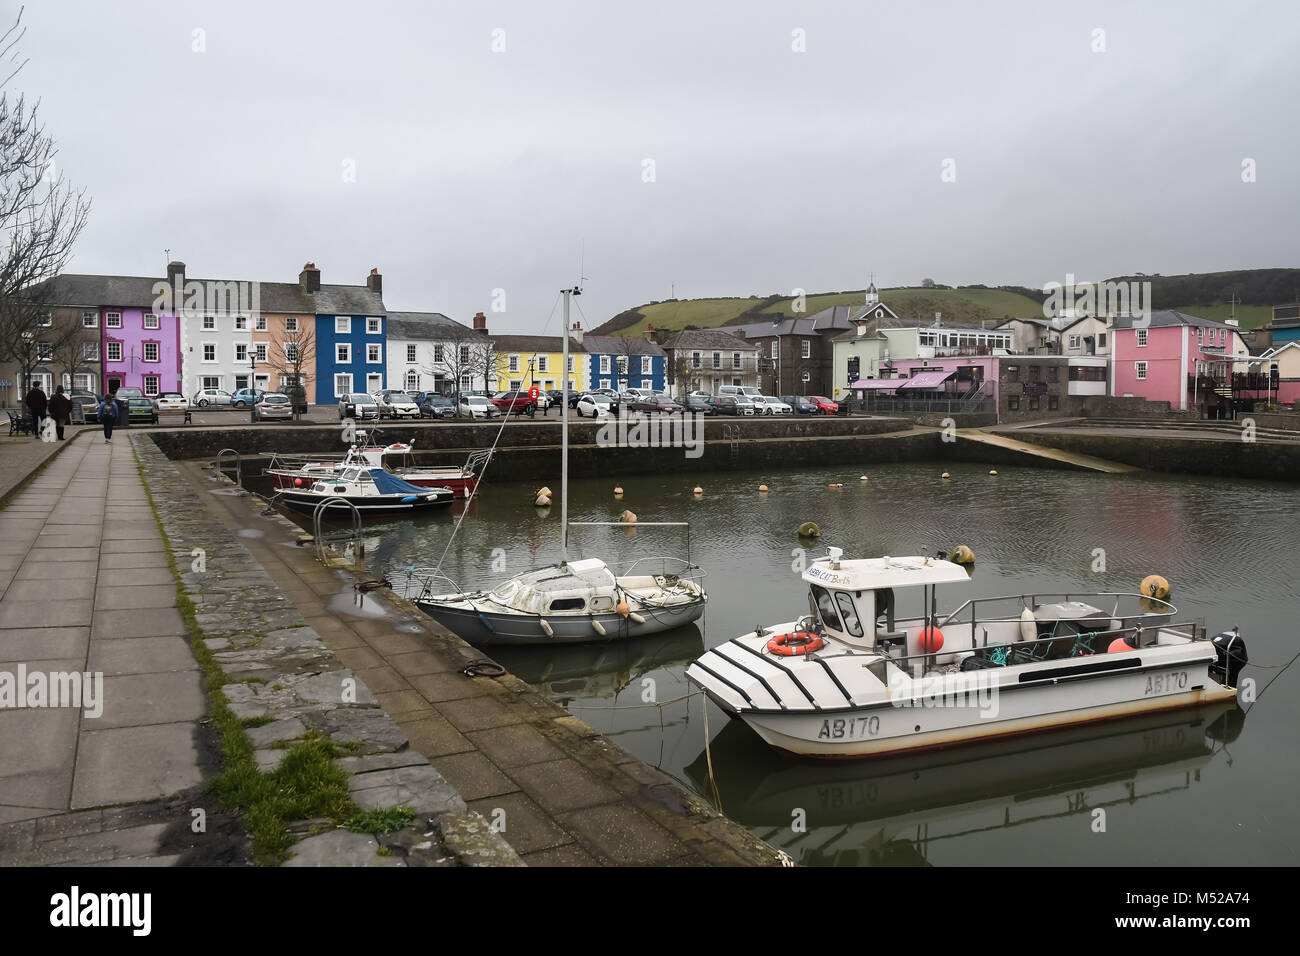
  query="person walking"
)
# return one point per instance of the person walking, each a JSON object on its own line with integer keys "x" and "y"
{"x": 37, "y": 404}
{"x": 108, "y": 417}
{"x": 60, "y": 411}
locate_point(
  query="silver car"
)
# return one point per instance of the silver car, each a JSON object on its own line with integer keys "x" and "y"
{"x": 273, "y": 406}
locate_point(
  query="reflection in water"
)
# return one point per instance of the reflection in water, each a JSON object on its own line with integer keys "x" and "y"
{"x": 894, "y": 810}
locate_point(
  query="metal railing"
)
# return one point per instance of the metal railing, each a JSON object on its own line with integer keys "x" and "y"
{"x": 219, "y": 468}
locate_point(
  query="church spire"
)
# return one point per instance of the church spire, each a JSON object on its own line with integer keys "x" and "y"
{"x": 873, "y": 297}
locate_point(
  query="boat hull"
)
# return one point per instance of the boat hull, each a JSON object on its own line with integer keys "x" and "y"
{"x": 367, "y": 505}
{"x": 461, "y": 487}
{"x": 498, "y": 628}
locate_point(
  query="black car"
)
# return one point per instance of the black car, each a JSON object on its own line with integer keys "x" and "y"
{"x": 436, "y": 406}
{"x": 725, "y": 405}
{"x": 298, "y": 395}
{"x": 800, "y": 405}
{"x": 695, "y": 403}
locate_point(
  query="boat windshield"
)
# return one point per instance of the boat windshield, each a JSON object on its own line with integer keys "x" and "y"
{"x": 826, "y": 608}
{"x": 850, "y": 612}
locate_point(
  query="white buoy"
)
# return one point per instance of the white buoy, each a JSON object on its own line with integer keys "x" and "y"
{"x": 542, "y": 501}
{"x": 862, "y": 478}
{"x": 634, "y": 616}
{"x": 546, "y": 626}
{"x": 600, "y": 628}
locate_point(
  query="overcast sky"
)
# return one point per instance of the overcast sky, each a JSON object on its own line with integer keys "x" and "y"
{"x": 772, "y": 168}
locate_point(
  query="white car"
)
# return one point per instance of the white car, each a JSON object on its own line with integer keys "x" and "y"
{"x": 593, "y": 406}
{"x": 767, "y": 405}
{"x": 211, "y": 396}
{"x": 172, "y": 402}
{"x": 273, "y": 405}
{"x": 478, "y": 406}
{"x": 395, "y": 404}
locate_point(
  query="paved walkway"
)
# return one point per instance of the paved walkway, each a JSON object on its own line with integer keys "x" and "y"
{"x": 85, "y": 587}
{"x": 20, "y": 455}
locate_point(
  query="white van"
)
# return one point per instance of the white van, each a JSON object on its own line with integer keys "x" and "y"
{"x": 744, "y": 396}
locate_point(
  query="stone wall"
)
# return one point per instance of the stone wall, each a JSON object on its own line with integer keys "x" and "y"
{"x": 1231, "y": 457}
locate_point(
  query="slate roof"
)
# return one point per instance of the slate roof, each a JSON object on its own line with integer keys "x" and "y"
{"x": 614, "y": 345}
{"x": 534, "y": 343}
{"x": 138, "y": 292}
{"x": 428, "y": 325}
{"x": 1168, "y": 319}
{"x": 706, "y": 339}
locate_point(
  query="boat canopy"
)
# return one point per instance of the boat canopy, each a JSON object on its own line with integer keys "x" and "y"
{"x": 389, "y": 484}
{"x": 866, "y": 574}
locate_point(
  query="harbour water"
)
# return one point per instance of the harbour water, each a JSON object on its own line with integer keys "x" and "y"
{"x": 1194, "y": 788}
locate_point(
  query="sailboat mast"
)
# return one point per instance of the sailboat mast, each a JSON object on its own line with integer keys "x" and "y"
{"x": 564, "y": 434}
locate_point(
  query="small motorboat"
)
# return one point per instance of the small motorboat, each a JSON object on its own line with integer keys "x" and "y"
{"x": 839, "y": 683}
{"x": 370, "y": 490}
{"x": 300, "y": 471}
{"x": 566, "y": 603}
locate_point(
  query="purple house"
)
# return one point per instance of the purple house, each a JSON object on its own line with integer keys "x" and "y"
{"x": 141, "y": 349}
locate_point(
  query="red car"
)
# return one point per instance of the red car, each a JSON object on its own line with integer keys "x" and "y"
{"x": 824, "y": 404}
{"x": 514, "y": 401}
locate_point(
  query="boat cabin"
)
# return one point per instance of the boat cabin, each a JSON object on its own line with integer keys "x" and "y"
{"x": 578, "y": 587}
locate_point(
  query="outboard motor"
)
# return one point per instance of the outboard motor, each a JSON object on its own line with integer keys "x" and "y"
{"x": 1231, "y": 657}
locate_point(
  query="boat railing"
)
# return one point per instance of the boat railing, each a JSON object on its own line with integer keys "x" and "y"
{"x": 417, "y": 584}
{"x": 478, "y": 460}
{"x": 667, "y": 565}
{"x": 1124, "y": 606}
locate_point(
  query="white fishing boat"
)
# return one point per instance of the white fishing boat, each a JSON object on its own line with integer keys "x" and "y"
{"x": 370, "y": 491}
{"x": 839, "y": 683}
{"x": 569, "y": 602}
{"x": 302, "y": 471}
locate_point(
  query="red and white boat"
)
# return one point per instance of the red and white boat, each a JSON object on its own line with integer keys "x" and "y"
{"x": 289, "y": 472}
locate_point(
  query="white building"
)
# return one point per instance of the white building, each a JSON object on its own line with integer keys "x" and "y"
{"x": 428, "y": 352}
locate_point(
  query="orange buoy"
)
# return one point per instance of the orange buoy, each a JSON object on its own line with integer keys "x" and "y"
{"x": 627, "y": 517}
{"x": 762, "y": 487}
{"x": 1119, "y": 646}
{"x": 623, "y": 609}
{"x": 618, "y": 490}
{"x": 698, "y": 490}
{"x": 931, "y": 640}
{"x": 790, "y": 645}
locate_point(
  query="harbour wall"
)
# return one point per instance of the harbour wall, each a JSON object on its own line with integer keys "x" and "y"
{"x": 1227, "y": 457}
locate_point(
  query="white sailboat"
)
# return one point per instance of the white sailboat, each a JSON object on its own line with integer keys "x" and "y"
{"x": 569, "y": 602}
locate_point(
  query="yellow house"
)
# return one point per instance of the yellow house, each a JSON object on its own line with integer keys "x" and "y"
{"x": 523, "y": 361}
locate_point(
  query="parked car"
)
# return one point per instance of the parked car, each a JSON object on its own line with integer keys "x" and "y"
{"x": 514, "y": 401}
{"x": 396, "y": 404}
{"x": 207, "y": 396}
{"x": 767, "y": 405}
{"x": 730, "y": 405}
{"x": 659, "y": 403}
{"x": 801, "y": 405}
{"x": 824, "y": 404}
{"x": 478, "y": 406}
{"x": 358, "y": 405}
{"x": 247, "y": 397}
{"x": 273, "y": 405}
{"x": 88, "y": 401}
{"x": 141, "y": 410}
{"x": 593, "y": 405}
{"x": 297, "y": 395}
{"x": 172, "y": 402}
{"x": 556, "y": 395}
{"x": 696, "y": 403}
{"x": 437, "y": 406}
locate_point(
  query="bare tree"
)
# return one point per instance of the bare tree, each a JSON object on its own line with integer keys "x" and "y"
{"x": 484, "y": 356}
{"x": 68, "y": 347}
{"x": 292, "y": 362}
{"x": 41, "y": 217}
{"x": 458, "y": 360}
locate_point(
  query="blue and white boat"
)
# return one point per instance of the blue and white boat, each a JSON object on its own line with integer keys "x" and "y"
{"x": 369, "y": 490}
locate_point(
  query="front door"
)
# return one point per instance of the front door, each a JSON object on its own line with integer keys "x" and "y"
{"x": 114, "y": 383}
{"x": 374, "y": 382}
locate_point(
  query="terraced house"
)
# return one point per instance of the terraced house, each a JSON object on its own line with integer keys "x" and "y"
{"x": 621, "y": 362}
{"x": 522, "y": 361}
{"x": 351, "y": 329}
{"x": 704, "y": 359}
{"x": 428, "y": 352}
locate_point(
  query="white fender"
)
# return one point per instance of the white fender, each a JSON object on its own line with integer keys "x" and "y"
{"x": 546, "y": 626}
{"x": 1028, "y": 626}
{"x": 634, "y": 616}
{"x": 600, "y": 628}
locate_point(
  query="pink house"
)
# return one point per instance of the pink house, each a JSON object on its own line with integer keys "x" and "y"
{"x": 141, "y": 349}
{"x": 1175, "y": 358}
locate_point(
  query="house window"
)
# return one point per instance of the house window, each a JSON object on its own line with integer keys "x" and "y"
{"x": 805, "y": 349}
{"x": 1199, "y": 335}
{"x": 259, "y": 324}
{"x": 342, "y": 353}
{"x": 291, "y": 323}
{"x": 113, "y": 320}
{"x": 621, "y": 363}
{"x": 372, "y": 326}
{"x": 44, "y": 351}
{"x": 211, "y": 381}
{"x": 241, "y": 352}
{"x": 464, "y": 383}
{"x": 47, "y": 319}
{"x": 1033, "y": 403}
{"x": 1101, "y": 340}
{"x": 604, "y": 365}
{"x": 647, "y": 383}
{"x": 90, "y": 320}
{"x": 542, "y": 363}
{"x": 90, "y": 352}
{"x": 1053, "y": 402}
{"x": 151, "y": 351}
{"x": 515, "y": 384}
{"x": 647, "y": 365}
{"x": 209, "y": 352}
{"x": 1013, "y": 373}
{"x": 735, "y": 360}
{"x": 512, "y": 363}
{"x": 570, "y": 363}
{"x": 464, "y": 356}
{"x": 1142, "y": 338}
{"x": 410, "y": 353}
{"x": 151, "y": 384}
{"x": 259, "y": 350}
{"x": 83, "y": 380}
{"x": 695, "y": 360}
{"x": 776, "y": 344}
{"x": 412, "y": 381}
{"x": 1013, "y": 403}
{"x": 1141, "y": 368}
{"x": 114, "y": 351}
{"x": 1051, "y": 373}
{"x": 342, "y": 384}
{"x": 209, "y": 323}
{"x": 241, "y": 323}
{"x": 1074, "y": 341}
{"x": 604, "y": 383}
{"x": 1035, "y": 373}
{"x": 342, "y": 324}
{"x": 241, "y": 382}
{"x": 291, "y": 352}
{"x": 373, "y": 353}
{"x": 717, "y": 360}
{"x": 150, "y": 320}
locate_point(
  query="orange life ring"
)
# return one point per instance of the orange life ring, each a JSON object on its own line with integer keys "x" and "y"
{"x": 800, "y": 642}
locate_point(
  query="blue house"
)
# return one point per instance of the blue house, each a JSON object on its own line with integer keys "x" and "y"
{"x": 1285, "y": 326}
{"x": 617, "y": 362}
{"x": 351, "y": 336}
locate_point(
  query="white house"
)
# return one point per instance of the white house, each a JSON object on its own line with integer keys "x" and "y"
{"x": 428, "y": 352}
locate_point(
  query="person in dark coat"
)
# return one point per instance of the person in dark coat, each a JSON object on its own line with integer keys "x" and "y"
{"x": 60, "y": 410}
{"x": 37, "y": 404}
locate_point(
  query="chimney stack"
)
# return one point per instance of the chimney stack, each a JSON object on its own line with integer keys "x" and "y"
{"x": 375, "y": 282}
{"x": 576, "y": 332}
{"x": 176, "y": 285}
{"x": 480, "y": 322}
{"x": 309, "y": 278}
